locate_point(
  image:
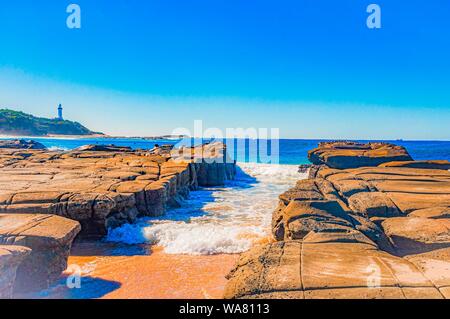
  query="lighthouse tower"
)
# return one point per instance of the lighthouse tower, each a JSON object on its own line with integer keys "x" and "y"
{"x": 60, "y": 115}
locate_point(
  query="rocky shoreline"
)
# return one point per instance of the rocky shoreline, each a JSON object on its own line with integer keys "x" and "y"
{"x": 48, "y": 198}
{"x": 368, "y": 223}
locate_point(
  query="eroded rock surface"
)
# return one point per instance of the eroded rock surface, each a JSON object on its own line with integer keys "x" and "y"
{"x": 103, "y": 148}
{"x": 49, "y": 237}
{"x": 48, "y": 197}
{"x": 102, "y": 188}
{"x": 419, "y": 164}
{"x": 212, "y": 163}
{"x": 10, "y": 259}
{"x": 21, "y": 144}
{"x": 318, "y": 268}
{"x": 344, "y": 155}
{"x": 368, "y": 232}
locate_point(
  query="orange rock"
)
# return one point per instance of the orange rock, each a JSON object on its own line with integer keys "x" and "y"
{"x": 343, "y": 229}
{"x": 104, "y": 186}
{"x": 415, "y": 234}
{"x": 49, "y": 237}
{"x": 10, "y": 259}
{"x": 445, "y": 165}
{"x": 344, "y": 155}
{"x": 293, "y": 269}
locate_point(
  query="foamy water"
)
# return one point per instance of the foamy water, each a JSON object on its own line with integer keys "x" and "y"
{"x": 217, "y": 220}
{"x": 57, "y": 149}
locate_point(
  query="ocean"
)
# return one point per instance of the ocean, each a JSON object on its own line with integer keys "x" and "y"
{"x": 291, "y": 151}
{"x": 228, "y": 219}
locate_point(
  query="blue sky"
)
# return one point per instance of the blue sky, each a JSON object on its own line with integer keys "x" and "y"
{"x": 311, "y": 68}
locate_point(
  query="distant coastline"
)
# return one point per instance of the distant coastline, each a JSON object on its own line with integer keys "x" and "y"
{"x": 17, "y": 123}
{"x": 99, "y": 136}
{"x": 51, "y": 136}
{"x": 20, "y": 125}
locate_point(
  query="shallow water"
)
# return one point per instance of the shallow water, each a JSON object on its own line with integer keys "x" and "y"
{"x": 220, "y": 220}
{"x": 113, "y": 271}
{"x": 186, "y": 253}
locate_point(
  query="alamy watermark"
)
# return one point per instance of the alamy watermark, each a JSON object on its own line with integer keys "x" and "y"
{"x": 73, "y": 281}
{"x": 374, "y": 18}
{"x": 75, "y": 274}
{"x": 374, "y": 276}
{"x": 248, "y": 144}
{"x": 74, "y": 19}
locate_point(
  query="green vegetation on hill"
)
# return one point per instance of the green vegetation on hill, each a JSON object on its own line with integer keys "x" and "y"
{"x": 19, "y": 123}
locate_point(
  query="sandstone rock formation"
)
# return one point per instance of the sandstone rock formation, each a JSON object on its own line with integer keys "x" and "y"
{"x": 319, "y": 268}
{"x": 419, "y": 164}
{"x": 21, "y": 144}
{"x": 49, "y": 237}
{"x": 163, "y": 150}
{"x": 344, "y": 155}
{"x": 369, "y": 232}
{"x": 102, "y": 189}
{"x": 10, "y": 259}
{"x": 48, "y": 197}
{"x": 103, "y": 148}
{"x": 212, "y": 163}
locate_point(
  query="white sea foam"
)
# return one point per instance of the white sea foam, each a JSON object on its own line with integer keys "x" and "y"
{"x": 217, "y": 220}
{"x": 58, "y": 149}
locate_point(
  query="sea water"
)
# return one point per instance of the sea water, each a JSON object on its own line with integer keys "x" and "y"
{"x": 228, "y": 219}
{"x": 217, "y": 220}
{"x": 291, "y": 151}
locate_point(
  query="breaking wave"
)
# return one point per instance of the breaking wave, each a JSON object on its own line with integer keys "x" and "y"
{"x": 58, "y": 149}
{"x": 217, "y": 220}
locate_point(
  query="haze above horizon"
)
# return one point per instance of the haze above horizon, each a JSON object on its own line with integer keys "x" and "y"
{"x": 145, "y": 68}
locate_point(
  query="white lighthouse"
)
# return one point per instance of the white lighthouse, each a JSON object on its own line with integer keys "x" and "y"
{"x": 60, "y": 115}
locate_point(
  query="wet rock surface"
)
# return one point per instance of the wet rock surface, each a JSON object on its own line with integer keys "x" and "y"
{"x": 367, "y": 232}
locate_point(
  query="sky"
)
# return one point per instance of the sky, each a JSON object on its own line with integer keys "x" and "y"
{"x": 311, "y": 68}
